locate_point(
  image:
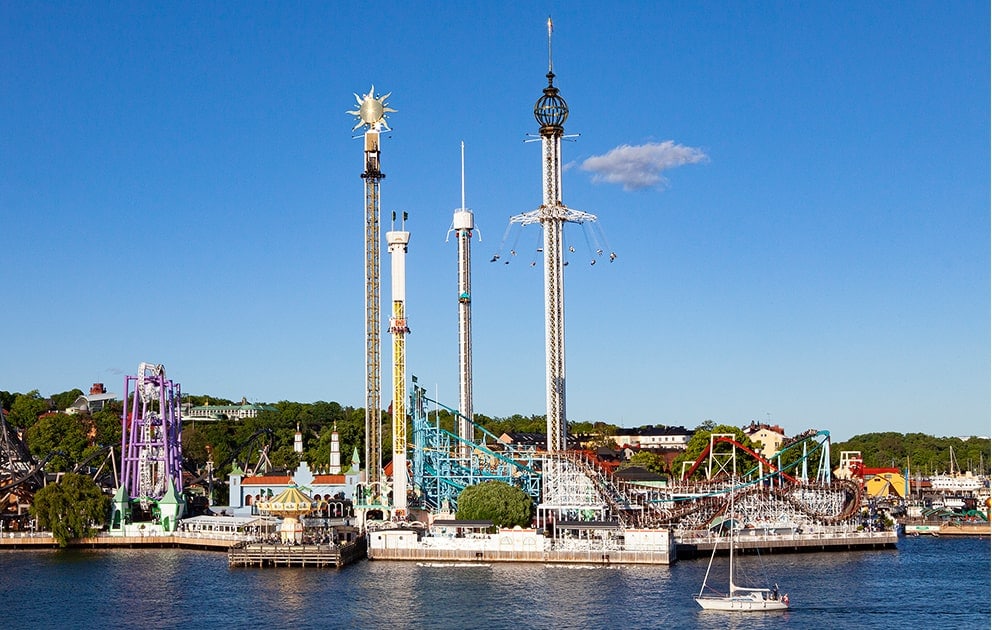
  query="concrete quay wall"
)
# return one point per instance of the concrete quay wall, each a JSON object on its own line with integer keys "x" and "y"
{"x": 592, "y": 556}
{"x": 44, "y": 540}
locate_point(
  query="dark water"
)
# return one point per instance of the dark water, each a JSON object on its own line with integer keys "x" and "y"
{"x": 926, "y": 583}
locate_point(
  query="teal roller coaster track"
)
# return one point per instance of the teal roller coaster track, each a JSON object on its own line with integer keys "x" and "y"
{"x": 441, "y": 472}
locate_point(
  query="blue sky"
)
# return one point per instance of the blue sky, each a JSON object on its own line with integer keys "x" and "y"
{"x": 798, "y": 194}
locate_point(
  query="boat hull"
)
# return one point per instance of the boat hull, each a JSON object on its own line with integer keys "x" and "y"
{"x": 742, "y": 604}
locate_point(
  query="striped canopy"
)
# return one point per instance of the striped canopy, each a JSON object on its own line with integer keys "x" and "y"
{"x": 288, "y": 502}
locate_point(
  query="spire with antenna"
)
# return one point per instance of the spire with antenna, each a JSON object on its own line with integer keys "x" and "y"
{"x": 551, "y": 111}
{"x": 551, "y": 69}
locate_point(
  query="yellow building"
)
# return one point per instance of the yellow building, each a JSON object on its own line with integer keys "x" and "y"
{"x": 770, "y": 436}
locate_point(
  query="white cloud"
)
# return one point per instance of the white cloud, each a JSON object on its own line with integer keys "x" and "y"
{"x": 637, "y": 167}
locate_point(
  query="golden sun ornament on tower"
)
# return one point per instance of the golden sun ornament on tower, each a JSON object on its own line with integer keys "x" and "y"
{"x": 372, "y": 111}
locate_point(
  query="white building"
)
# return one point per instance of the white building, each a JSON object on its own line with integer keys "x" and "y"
{"x": 657, "y": 437}
{"x": 97, "y": 399}
{"x": 225, "y": 412}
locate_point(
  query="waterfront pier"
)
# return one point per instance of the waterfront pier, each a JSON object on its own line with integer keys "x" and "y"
{"x": 254, "y": 554}
{"x": 690, "y": 547}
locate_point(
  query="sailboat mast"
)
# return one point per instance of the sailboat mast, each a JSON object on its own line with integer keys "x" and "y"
{"x": 732, "y": 492}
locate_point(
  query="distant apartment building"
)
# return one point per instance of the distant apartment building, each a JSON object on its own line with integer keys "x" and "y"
{"x": 534, "y": 441}
{"x": 654, "y": 437}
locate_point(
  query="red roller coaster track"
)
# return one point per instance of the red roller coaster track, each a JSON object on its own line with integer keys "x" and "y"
{"x": 706, "y": 451}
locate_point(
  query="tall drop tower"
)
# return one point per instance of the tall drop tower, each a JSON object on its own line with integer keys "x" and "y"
{"x": 463, "y": 223}
{"x": 551, "y": 111}
{"x": 371, "y": 114}
{"x": 398, "y": 241}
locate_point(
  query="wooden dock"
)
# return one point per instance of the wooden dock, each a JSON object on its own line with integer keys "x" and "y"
{"x": 790, "y": 543}
{"x": 318, "y": 556}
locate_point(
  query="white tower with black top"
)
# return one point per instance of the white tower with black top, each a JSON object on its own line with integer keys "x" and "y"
{"x": 551, "y": 111}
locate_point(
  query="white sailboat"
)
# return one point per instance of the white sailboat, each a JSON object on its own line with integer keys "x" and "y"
{"x": 740, "y": 598}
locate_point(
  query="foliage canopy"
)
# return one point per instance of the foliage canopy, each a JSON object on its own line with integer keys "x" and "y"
{"x": 496, "y": 501}
{"x": 60, "y": 435}
{"x": 924, "y": 454}
{"x": 647, "y": 460}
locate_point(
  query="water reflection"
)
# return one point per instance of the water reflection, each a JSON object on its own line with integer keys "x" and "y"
{"x": 947, "y": 582}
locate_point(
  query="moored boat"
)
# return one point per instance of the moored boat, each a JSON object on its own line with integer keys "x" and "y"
{"x": 739, "y": 598}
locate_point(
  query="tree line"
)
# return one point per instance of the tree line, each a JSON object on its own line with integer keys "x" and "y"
{"x": 71, "y": 439}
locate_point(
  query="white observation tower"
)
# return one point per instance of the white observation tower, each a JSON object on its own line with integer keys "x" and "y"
{"x": 463, "y": 223}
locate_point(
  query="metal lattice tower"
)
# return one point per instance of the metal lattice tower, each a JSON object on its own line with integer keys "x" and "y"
{"x": 398, "y": 241}
{"x": 551, "y": 111}
{"x": 371, "y": 114}
{"x": 151, "y": 444}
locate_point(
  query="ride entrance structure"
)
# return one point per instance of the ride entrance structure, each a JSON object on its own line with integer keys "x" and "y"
{"x": 149, "y": 499}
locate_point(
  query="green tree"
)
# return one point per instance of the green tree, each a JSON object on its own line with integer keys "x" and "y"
{"x": 285, "y": 458}
{"x": 26, "y": 408}
{"x": 108, "y": 427}
{"x": 923, "y": 454}
{"x": 647, "y": 460}
{"x": 707, "y": 426}
{"x": 61, "y": 435}
{"x": 496, "y": 501}
{"x": 7, "y": 399}
{"x": 75, "y": 507}
{"x": 196, "y": 446}
{"x": 514, "y": 424}
{"x": 202, "y": 400}
{"x": 63, "y": 400}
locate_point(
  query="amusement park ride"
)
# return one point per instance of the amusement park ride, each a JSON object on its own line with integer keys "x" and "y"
{"x": 794, "y": 487}
{"x": 566, "y": 484}
{"x": 151, "y": 490}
